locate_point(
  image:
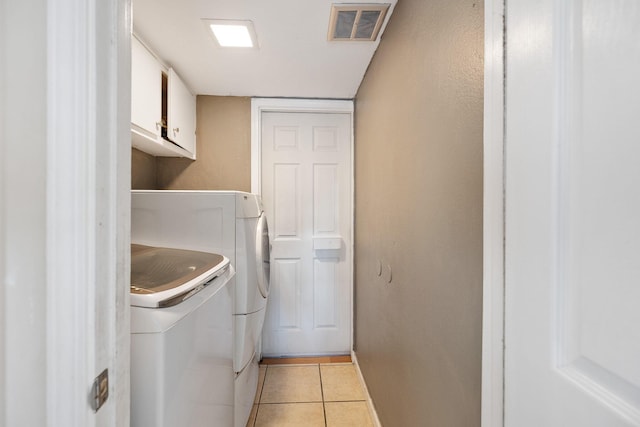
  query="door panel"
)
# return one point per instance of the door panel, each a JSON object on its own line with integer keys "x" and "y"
{"x": 146, "y": 89}
{"x": 325, "y": 203}
{"x": 325, "y": 281}
{"x": 286, "y": 294}
{"x": 182, "y": 114}
{"x": 306, "y": 189}
{"x": 286, "y": 201}
{"x": 572, "y": 214}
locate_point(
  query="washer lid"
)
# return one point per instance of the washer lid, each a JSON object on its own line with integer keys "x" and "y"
{"x": 161, "y": 277}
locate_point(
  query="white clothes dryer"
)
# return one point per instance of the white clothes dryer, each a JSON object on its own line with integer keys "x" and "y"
{"x": 230, "y": 223}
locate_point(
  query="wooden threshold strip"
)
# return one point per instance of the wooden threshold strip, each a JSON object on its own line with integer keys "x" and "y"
{"x": 305, "y": 360}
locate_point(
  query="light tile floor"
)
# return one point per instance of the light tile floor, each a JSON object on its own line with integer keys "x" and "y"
{"x": 323, "y": 395}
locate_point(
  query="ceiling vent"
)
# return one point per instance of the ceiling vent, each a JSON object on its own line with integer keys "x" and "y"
{"x": 356, "y": 22}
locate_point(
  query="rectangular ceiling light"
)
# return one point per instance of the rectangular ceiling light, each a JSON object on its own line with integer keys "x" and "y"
{"x": 356, "y": 22}
{"x": 229, "y": 33}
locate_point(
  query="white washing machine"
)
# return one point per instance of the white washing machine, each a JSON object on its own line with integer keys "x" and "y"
{"x": 181, "y": 338}
{"x": 230, "y": 223}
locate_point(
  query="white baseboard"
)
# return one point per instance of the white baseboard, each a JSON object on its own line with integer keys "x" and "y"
{"x": 372, "y": 410}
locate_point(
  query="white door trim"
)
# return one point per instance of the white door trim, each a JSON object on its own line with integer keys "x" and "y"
{"x": 64, "y": 225}
{"x": 492, "y": 405}
{"x": 71, "y": 170}
{"x": 261, "y": 105}
{"x": 88, "y": 178}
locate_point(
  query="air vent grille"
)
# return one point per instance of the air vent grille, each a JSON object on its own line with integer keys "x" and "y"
{"x": 356, "y": 22}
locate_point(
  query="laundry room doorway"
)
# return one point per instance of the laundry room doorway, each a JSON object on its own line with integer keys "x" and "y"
{"x": 302, "y": 165}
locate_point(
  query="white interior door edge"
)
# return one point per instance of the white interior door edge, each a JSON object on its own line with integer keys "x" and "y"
{"x": 493, "y": 237}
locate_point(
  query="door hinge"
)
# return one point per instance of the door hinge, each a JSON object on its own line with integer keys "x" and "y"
{"x": 100, "y": 392}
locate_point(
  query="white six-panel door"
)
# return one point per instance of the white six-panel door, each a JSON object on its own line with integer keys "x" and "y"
{"x": 306, "y": 190}
{"x": 572, "y": 300}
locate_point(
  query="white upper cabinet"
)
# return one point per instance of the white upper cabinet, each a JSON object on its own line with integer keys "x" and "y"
{"x": 146, "y": 93}
{"x": 182, "y": 114}
{"x": 163, "y": 110}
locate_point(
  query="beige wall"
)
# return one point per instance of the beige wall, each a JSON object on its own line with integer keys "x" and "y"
{"x": 143, "y": 171}
{"x": 418, "y": 160}
{"x": 223, "y": 152}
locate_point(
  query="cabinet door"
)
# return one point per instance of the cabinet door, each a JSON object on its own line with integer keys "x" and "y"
{"x": 182, "y": 114}
{"x": 146, "y": 89}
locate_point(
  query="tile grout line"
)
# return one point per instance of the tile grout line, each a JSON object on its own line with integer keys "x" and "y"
{"x": 264, "y": 381}
{"x": 296, "y": 402}
{"x": 324, "y": 411}
{"x": 319, "y": 366}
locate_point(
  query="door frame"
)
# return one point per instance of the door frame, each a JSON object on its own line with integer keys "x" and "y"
{"x": 290, "y": 105}
{"x": 87, "y": 295}
{"x": 70, "y": 216}
{"x": 492, "y": 403}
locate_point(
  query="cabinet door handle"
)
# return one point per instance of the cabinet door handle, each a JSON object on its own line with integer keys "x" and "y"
{"x": 158, "y": 125}
{"x": 176, "y": 130}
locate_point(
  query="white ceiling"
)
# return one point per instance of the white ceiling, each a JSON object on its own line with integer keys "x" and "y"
{"x": 294, "y": 58}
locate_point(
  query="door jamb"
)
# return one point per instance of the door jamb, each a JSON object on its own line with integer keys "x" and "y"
{"x": 87, "y": 230}
{"x": 492, "y": 406}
